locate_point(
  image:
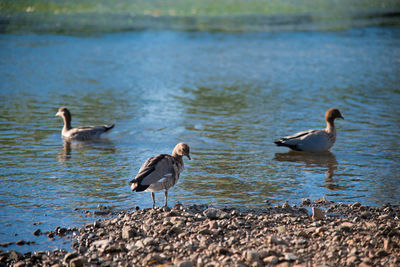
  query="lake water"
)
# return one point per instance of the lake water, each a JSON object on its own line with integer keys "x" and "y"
{"x": 227, "y": 95}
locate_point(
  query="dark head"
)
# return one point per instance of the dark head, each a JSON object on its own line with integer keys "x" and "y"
{"x": 332, "y": 114}
{"x": 181, "y": 149}
{"x": 65, "y": 114}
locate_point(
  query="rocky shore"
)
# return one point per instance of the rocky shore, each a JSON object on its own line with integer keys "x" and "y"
{"x": 319, "y": 233}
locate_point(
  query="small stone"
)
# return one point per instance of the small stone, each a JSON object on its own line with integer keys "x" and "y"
{"x": 346, "y": 226}
{"x": 37, "y": 232}
{"x": 371, "y": 225}
{"x": 384, "y": 217}
{"x": 322, "y": 200}
{"x": 78, "y": 262}
{"x": 252, "y": 256}
{"x": 351, "y": 260}
{"x": 20, "y": 264}
{"x": 101, "y": 243}
{"x": 318, "y": 214}
{"x": 102, "y": 212}
{"x": 353, "y": 252}
{"x": 301, "y": 241}
{"x": 139, "y": 244}
{"x": 152, "y": 259}
{"x": 213, "y": 225}
{"x": 149, "y": 241}
{"x": 365, "y": 215}
{"x": 20, "y": 242}
{"x": 176, "y": 229}
{"x": 356, "y": 205}
{"x": 127, "y": 232}
{"x": 165, "y": 209}
{"x": 61, "y": 231}
{"x": 205, "y": 231}
{"x": 303, "y": 233}
{"x": 70, "y": 256}
{"x": 290, "y": 257}
{"x": 211, "y": 213}
{"x": 114, "y": 248}
{"x": 387, "y": 244}
{"x": 276, "y": 241}
{"x": 381, "y": 253}
{"x": 184, "y": 264}
{"x": 222, "y": 251}
{"x": 271, "y": 260}
{"x": 321, "y": 229}
{"x": 281, "y": 229}
{"x": 97, "y": 224}
{"x": 305, "y": 202}
{"x": 285, "y": 205}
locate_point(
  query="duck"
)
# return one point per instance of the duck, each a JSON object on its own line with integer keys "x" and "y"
{"x": 318, "y": 140}
{"x": 80, "y": 133}
{"x": 161, "y": 172}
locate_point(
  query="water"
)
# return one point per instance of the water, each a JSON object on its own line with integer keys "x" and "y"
{"x": 227, "y": 95}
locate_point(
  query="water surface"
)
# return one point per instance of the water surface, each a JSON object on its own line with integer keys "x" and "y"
{"x": 227, "y": 95}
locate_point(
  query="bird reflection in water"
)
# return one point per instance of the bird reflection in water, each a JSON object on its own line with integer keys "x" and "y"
{"x": 311, "y": 160}
{"x": 101, "y": 145}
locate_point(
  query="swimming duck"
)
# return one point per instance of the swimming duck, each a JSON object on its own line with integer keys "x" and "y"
{"x": 80, "y": 133}
{"x": 314, "y": 140}
{"x": 161, "y": 172}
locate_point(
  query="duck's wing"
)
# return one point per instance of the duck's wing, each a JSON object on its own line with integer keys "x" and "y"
{"x": 155, "y": 170}
{"x": 294, "y": 141}
{"x": 88, "y": 133}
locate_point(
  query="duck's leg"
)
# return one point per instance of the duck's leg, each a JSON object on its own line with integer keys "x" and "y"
{"x": 153, "y": 198}
{"x": 165, "y": 197}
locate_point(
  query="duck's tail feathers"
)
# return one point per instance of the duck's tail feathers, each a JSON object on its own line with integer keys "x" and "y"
{"x": 136, "y": 186}
{"x": 281, "y": 142}
{"x": 109, "y": 127}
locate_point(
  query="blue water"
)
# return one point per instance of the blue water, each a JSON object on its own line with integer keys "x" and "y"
{"x": 227, "y": 95}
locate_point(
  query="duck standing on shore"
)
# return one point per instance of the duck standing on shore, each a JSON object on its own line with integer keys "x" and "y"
{"x": 314, "y": 140}
{"x": 80, "y": 133}
{"x": 161, "y": 172}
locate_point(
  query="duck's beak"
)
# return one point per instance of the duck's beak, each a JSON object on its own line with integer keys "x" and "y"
{"x": 341, "y": 117}
{"x": 188, "y": 156}
{"x": 58, "y": 114}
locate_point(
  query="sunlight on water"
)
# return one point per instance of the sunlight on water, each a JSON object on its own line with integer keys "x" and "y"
{"x": 227, "y": 95}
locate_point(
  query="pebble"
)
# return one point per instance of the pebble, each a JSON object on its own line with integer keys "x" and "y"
{"x": 127, "y": 232}
{"x": 271, "y": 260}
{"x": 346, "y": 226}
{"x": 252, "y": 256}
{"x": 290, "y": 256}
{"x": 211, "y": 213}
{"x": 37, "y": 232}
{"x": 20, "y": 242}
{"x": 78, "y": 262}
{"x": 20, "y": 264}
{"x": 317, "y": 214}
{"x": 184, "y": 264}
{"x": 70, "y": 256}
{"x": 306, "y": 202}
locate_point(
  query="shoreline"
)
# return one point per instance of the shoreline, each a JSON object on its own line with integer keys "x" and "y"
{"x": 198, "y": 235}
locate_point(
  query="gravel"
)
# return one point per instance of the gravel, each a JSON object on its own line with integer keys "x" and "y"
{"x": 337, "y": 235}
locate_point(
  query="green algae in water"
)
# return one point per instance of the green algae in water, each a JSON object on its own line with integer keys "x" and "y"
{"x": 207, "y": 15}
